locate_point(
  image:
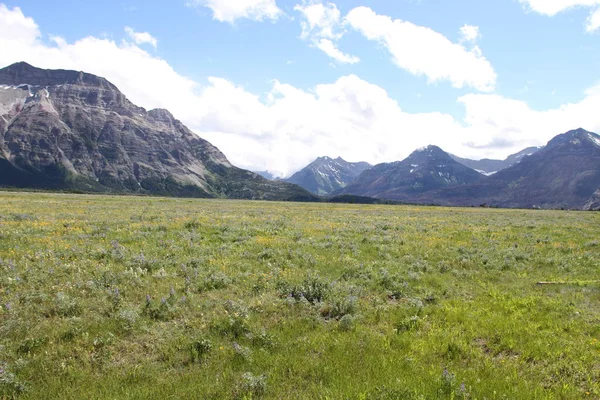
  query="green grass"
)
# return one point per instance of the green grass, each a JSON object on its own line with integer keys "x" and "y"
{"x": 128, "y": 297}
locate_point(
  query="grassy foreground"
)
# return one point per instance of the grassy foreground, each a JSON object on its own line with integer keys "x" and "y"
{"x": 124, "y": 297}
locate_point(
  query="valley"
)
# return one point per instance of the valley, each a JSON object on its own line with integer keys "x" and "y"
{"x": 137, "y": 297}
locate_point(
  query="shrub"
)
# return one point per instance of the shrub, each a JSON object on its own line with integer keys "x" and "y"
{"x": 199, "y": 349}
{"x": 161, "y": 312}
{"x": 347, "y": 323}
{"x": 31, "y": 345}
{"x": 395, "y": 287}
{"x": 408, "y": 324}
{"x": 10, "y": 386}
{"x": 236, "y": 322}
{"x": 241, "y": 353}
{"x": 339, "y": 307}
{"x": 127, "y": 318}
{"x": 65, "y": 306}
{"x": 312, "y": 290}
{"x": 191, "y": 225}
{"x": 251, "y": 386}
{"x": 214, "y": 281}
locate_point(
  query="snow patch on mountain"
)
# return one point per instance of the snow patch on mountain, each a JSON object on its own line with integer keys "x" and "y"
{"x": 595, "y": 139}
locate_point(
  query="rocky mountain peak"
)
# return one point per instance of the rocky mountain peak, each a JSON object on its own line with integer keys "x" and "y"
{"x": 323, "y": 160}
{"x": 429, "y": 153}
{"x": 162, "y": 115}
{"x": 69, "y": 130}
{"x": 579, "y": 138}
{"x": 22, "y": 73}
{"x": 326, "y": 175}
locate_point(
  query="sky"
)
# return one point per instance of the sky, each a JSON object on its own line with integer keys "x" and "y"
{"x": 275, "y": 84}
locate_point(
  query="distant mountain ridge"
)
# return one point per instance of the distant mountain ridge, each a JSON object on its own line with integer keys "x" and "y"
{"x": 326, "y": 175}
{"x": 488, "y": 166}
{"x": 71, "y": 130}
{"x": 564, "y": 174}
{"x": 425, "y": 169}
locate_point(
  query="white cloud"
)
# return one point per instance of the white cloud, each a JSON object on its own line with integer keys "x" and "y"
{"x": 553, "y": 7}
{"x": 593, "y": 21}
{"x": 14, "y": 25}
{"x": 501, "y": 120}
{"x": 469, "y": 33}
{"x": 232, "y": 10}
{"x": 321, "y": 20}
{"x": 141, "y": 37}
{"x": 423, "y": 51}
{"x": 332, "y": 51}
{"x": 287, "y": 127}
{"x": 322, "y": 26}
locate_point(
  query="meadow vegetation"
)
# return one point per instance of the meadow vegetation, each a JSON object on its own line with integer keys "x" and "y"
{"x": 133, "y": 297}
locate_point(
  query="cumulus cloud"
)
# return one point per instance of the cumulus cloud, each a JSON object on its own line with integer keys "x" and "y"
{"x": 322, "y": 25}
{"x": 469, "y": 33}
{"x": 141, "y": 37}
{"x": 419, "y": 50}
{"x": 321, "y": 20}
{"x": 232, "y": 10}
{"x": 14, "y": 25}
{"x": 553, "y": 7}
{"x": 332, "y": 51}
{"x": 287, "y": 127}
{"x": 593, "y": 21}
{"x": 423, "y": 51}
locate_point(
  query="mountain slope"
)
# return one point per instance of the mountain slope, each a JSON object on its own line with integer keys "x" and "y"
{"x": 564, "y": 174}
{"x": 424, "y": 170}
{"x": 326, "y": 175}
{"x": 593, "y": 203}
{"x": 266, "y": 175}
{"x": 488, "y": 166}
{"x": 75, "y": 131}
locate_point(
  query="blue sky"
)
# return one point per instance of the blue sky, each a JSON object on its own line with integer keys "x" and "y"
{"x": 276, "y": 83}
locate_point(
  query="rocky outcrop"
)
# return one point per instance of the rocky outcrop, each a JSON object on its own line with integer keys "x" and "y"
{"x": 76, "y": 131}
{"x": 593, "y": 204}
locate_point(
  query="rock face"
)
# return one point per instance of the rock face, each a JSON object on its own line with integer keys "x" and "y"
{"x": 76, "y": 131}
{"x": 564, "y": 174}
{"x": 326, "y": 175}
{"x": 488, "y": 166}
{"x": 593, "y": 204}
{"x": 424, "y": 170}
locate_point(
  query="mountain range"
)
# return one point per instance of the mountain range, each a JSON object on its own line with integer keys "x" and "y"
{"x": 563, "y": 174}
{"x": 424, "y": 170}
{"x": 73, "y": 131}
{"x": 488, "y": 167}
{"x": 69, "y": 130}
{"x": 325, "y": 175}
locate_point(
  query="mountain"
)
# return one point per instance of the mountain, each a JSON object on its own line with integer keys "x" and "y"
{"x": 564, "y": 174}
{"x": 326, "y": 175}
{"x": 424, "y": 170}
{"x": 68, "y": 130}
{"x": 488, "y": 167}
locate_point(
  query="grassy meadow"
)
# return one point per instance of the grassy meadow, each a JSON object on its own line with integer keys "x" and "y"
{"x": 135, "y": 298}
